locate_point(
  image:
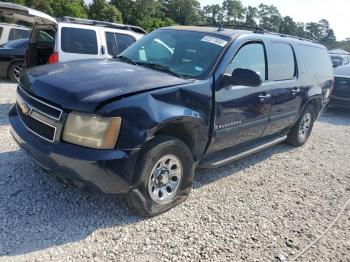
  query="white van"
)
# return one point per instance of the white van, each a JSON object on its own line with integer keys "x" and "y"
{"x": 65, "y": 39}
{"x": 10, "y": 32}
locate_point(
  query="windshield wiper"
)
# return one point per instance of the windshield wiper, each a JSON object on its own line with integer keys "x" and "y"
{"x": 159, "y": 67}
{"x": 125, "y": 59}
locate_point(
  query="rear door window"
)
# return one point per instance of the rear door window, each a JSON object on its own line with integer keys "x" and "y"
{"x": 250, "y": 56}
{"x": 18, "y": 34}
{"x": 79, "y": 41}
{"x": 282, "y": 65}
{"x": 117, "y": 43}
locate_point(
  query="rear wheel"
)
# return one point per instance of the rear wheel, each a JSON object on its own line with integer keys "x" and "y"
{"x": 15, "y": 71}
{"x": 301, "y": 131}
{"x": 163, "y": 177}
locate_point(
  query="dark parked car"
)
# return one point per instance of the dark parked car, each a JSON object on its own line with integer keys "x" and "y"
{"x": 179, "y": 98}
{"x": 339, "y": 60}
{"x": 12, "y": 58}
{"x": 341, "y": 93}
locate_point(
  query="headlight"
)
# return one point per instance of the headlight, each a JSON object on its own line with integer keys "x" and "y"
{"x": 92, "y": 131}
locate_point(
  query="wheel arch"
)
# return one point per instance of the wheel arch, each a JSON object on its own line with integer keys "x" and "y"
{"x": 316, "y": 101}
{"x": 192, "y": 131}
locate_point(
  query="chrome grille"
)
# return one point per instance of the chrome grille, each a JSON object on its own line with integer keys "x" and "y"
{"x": 39, "y": 105}
{"x": 36, "y": 126}
{"x": 37, "y": 116}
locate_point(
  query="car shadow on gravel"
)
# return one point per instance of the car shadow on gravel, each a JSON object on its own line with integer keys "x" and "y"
{"x": 4, "y": 109}
{"x": 6, "y": 81}
{"x": 336, "y": 116}
{"x": 38, "y": 212}
{"x": 207, "y": 176}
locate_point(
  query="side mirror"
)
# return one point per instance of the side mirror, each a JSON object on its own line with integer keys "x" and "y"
{"x": 242, "y": 77}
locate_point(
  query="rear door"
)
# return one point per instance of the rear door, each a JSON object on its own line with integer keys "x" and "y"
{"x": 286, "y": 90}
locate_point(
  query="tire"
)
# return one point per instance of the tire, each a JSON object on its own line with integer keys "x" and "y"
{"x": 155, "y": 173}
{"x": 15, "y": 70}
{"x": 302, "y": 129}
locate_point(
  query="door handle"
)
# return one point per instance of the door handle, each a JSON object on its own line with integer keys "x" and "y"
{"x": 296, "y": 91}
{"x": 263, "y": 97}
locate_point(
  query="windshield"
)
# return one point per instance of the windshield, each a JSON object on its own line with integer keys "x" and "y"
{"x": 337, "y": 60}
{"x": 185, "y": 53}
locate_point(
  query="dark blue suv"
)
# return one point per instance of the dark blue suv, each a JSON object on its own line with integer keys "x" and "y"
{"x": 180, "y": 98}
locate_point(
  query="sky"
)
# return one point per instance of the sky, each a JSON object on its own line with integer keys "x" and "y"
{"x": 337, "y": 12}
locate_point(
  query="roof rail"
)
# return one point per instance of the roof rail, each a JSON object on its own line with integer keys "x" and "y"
{"x": 221, "y": 27}
{"x": 255, "y": 29}
{"x": 291, "y": 36}
{"x": 70, "y": 19}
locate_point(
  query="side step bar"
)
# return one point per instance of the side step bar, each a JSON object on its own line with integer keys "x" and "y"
{"x": 223, "y": 161}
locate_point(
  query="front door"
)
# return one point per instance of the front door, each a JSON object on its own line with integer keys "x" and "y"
{"x": 242, "y": 112}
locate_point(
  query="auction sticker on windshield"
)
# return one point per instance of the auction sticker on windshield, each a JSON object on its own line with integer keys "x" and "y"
{"x": 214, "y": 40}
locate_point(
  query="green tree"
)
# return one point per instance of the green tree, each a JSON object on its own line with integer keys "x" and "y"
{"x": 149, "y": 14}
{"x": 234, "y": 11}
{"x": 42, "y": 5}
{"x": 313, "y": 31}
{"x": 213, "y": 14}
{"x": 184, "y": 12}
{"x": 18, "y": 2}
{"x": 288, "y": 26}
{"x": 251, "y": 16}
{"x": 127, "y": 8}
{"x": 345, "y": 45}
{"x": 301, "y": 30}
{"x": 328, "y": 37}
{"x": 74, "y": 8}
{"x": 101, "y": 10}
{"x": 269, "y": 17}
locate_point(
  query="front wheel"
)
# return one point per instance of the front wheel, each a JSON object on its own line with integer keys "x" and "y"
{"x": 301, "y": 131}
{"x": 163, "y": 177}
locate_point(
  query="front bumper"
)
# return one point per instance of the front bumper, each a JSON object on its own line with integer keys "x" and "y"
{"x": 340, "y": 101}
{"x": 108, "y": 171}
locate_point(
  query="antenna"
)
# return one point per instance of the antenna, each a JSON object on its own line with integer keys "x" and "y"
{"x": 221, "y": 28}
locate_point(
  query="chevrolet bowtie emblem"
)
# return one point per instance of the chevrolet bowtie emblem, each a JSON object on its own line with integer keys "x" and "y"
{"x": 25, "y": 108}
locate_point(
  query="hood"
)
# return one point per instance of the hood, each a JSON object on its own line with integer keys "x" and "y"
{"x": 84, "y": 85}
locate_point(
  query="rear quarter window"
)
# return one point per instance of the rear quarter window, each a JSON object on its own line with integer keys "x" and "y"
{"x": 18, "y": 34}
{"x": 124, "y": 41}
{"x": 316, "y": 60}
{"x": 79, "y": 41}
{"x": 282, "y": 65}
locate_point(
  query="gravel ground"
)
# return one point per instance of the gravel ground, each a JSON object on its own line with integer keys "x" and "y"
{"x": 273, "y": 203}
